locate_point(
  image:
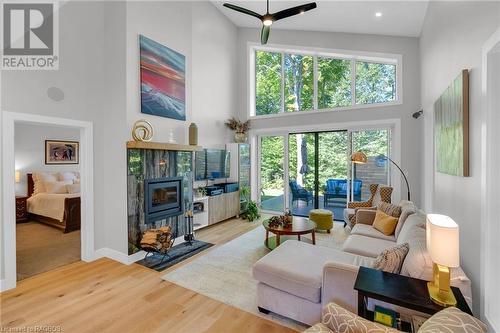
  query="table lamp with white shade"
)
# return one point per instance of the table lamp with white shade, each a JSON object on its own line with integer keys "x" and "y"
{"x": 443, "y": 247}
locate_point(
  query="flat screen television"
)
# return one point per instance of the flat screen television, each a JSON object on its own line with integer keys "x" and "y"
{"x": 212, "y": 164}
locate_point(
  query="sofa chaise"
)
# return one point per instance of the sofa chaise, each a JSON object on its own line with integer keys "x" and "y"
{"x": 297, "y": 280}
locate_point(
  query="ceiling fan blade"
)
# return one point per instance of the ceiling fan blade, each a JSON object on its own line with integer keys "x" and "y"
{"x": 264, "y": 34}
{"x": 293, "y": 11}
{"x": 243, "y": 10}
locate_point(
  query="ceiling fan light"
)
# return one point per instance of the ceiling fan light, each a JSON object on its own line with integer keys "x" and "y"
{"x": 267, "y": 21}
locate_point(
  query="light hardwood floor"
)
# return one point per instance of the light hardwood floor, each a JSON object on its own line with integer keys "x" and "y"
{"x": 106, "y": 296}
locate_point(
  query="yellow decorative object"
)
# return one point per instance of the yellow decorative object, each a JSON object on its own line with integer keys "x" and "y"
{"x": 323, "y": 219}
{"x": 384, "y": 223}
{"x": 142, "y": 131}
{"x": 443, "y": 246}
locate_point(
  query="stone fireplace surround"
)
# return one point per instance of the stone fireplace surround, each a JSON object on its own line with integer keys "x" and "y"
{"x": 144, "y": 163}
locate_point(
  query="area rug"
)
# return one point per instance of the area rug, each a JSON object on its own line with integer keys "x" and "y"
{"x": 225, "y": 273}
{"x": 176, "y": 254}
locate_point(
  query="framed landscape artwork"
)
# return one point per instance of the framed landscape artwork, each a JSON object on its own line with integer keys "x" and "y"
{"x": 163, "y": 80}
{"x": 452, "y": 128}
{"x": 61, "y": 152}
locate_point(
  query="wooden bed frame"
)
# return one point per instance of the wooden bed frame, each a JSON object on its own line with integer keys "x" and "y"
{"x": 72, "y": 213}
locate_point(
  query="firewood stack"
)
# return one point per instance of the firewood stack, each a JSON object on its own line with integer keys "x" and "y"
{"x": 157, "y": 240}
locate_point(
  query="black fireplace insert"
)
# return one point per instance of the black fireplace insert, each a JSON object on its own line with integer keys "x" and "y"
{"x": 163, "y": 198}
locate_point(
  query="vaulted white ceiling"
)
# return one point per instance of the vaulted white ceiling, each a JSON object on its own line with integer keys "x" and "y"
{"x": 399, "y": 18}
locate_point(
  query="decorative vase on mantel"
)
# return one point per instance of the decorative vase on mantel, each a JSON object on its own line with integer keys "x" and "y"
{"x": 240, "y": 137}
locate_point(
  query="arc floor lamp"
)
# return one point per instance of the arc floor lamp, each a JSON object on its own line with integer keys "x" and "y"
{"x": 360, "y": 158}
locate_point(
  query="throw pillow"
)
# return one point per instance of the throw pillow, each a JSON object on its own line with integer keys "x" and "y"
{"x": 384, "y": 223}
{"x": 73, "y": 188}
{"x": 57, "y": 187}
{"x": 67, "y": 175}
{"x": 340, "y": 320}
{"x": 39, "y": 179}
{"x": 390, "y": 209}
{"x": 452, "y": 320}
{"x": 391, "y": 259}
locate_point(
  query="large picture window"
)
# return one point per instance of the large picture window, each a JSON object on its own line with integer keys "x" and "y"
{"x": 293, "y": 81}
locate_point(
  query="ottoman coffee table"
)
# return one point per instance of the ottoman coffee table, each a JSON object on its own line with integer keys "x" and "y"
{"x": 300, "y": 226}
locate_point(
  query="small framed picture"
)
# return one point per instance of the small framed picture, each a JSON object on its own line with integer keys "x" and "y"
{"x": 62, "y": 152}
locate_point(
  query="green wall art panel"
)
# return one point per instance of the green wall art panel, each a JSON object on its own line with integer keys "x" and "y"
{"x": 451, "y": 128}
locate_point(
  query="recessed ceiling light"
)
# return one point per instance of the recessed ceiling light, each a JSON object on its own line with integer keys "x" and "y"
{"x": 378, "y": 14}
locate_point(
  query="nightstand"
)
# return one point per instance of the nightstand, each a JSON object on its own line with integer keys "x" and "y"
{"x": 399, "y": 290}
{"x": 21, "y": 209}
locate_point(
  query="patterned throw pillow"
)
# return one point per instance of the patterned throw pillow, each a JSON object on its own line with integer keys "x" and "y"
{"x": 391, "y": 259}
{"x": 340, "y": 320}
{"x": 452, "y": 320}
{"x": 390, "y": 209}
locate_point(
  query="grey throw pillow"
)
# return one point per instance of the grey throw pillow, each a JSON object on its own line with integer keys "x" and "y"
{"x": 391, "y": 259}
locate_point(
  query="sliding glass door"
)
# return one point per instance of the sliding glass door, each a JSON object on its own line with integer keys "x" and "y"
{"x": 376, "y": 146}
{"x": 271, "y": 173}
{"x": 318, "y": 171}
{"x": 304, "y": 171}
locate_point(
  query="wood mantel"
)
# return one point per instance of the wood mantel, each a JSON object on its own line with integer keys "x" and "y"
{"x": 161, "y": 146}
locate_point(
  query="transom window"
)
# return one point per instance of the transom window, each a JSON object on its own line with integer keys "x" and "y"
{"x": 287, "y": 81}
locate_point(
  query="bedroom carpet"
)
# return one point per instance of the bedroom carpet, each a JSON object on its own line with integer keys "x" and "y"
{"x": 225, "y": 273}
{"x": 41, "y": 248}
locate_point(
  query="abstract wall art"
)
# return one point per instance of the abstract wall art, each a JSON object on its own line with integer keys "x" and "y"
{"x": 61, "y": 152}
{"x": 163, "y": 80}
{"x": 451, "y": 128}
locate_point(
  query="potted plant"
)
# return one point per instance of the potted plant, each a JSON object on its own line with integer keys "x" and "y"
{"x": 240, "y": 129}
{"x": 252, "y": 212}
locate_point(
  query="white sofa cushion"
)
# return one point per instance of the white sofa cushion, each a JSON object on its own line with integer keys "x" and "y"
{"x": 407, "y": 208}
{"x": 369, "y": 231}
{"x": 366, "y": 246}
{"x": 407, "y": 232}
{"x": 297, "y": 267}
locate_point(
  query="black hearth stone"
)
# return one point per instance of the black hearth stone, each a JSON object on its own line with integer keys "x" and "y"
{"x": 176, "y": 254}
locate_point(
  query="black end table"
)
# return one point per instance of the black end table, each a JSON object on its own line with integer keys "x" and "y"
{"x": 399, "y": 290}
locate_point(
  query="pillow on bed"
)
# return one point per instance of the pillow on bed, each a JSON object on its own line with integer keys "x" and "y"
{"x": 39, "y": 178}
{"x": 73, "y": 188}
{"x": 57, "y": 187}
{"x": 67, "y": 176}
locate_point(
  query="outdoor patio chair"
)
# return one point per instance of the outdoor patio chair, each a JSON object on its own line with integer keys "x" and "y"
{"x": 337, "y": 188}
{"x": 300, "y": 193}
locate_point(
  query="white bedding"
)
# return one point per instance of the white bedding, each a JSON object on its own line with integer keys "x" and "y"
{"x": 49, "y": 205}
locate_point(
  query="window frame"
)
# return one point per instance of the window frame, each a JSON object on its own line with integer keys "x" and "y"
{"x": 353, "y": 56}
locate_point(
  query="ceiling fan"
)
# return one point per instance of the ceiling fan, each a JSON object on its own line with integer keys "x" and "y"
{"x": 268, "y": 18}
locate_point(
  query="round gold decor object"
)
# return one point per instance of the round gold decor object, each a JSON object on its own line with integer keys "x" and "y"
{"x": 142, "y": 131}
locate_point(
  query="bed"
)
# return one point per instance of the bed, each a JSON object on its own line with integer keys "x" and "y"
{"x": 58, "y": 210}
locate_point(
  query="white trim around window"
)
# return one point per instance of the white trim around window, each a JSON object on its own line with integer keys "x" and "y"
{"x": 380, "y": 58}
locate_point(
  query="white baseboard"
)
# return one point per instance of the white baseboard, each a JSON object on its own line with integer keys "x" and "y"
{"x": 124, "y": 258}
{"x": 119, "y": 256}
{"x": 4, "y": 285}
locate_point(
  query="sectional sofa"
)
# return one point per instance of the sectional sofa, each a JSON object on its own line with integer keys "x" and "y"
{"x": 297, "y": 279}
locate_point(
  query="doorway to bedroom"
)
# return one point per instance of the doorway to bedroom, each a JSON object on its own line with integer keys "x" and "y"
{"x": 20, "y": 183}
{"x": 48, "y": 215}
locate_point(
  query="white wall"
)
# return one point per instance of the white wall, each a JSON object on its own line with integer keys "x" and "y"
{"x": 29, "y": 148}
{"x": 208, "y": 41}
{"x": 99, "y": 75}
{"x": 452, "y": 38}
{"x": 411, "y": 149}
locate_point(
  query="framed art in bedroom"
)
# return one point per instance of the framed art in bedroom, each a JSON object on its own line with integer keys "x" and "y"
{"x": 61, "y": 152}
